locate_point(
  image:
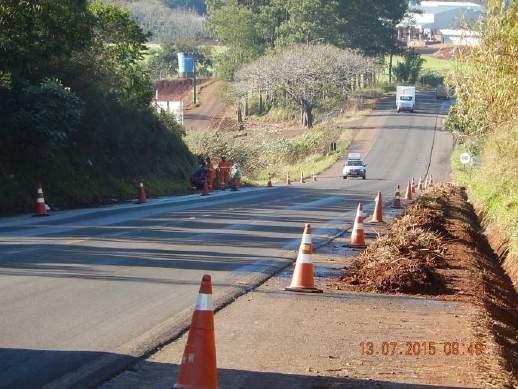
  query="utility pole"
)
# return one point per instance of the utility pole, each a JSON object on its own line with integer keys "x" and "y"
{"x": 194, "y": 100}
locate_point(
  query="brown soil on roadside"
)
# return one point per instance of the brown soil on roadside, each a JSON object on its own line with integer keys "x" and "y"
{"x": 437, "y": 248}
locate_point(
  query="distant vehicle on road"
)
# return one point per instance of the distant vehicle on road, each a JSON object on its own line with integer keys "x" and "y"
{"x": 442, "y": 92}
{"x": 354, "y": 166}
{"x": 405, "y": 98}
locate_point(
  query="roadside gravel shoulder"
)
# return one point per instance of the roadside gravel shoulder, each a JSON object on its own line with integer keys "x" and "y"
{"x": 270, "y": 338}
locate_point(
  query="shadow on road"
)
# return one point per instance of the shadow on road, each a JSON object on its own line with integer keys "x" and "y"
{"x": 17, "y": 365}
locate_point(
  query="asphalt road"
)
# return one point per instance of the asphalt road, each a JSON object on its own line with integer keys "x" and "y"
{"x": 85, "y": 292}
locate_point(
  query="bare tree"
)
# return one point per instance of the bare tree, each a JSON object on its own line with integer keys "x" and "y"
{"x": 305, "y": 74}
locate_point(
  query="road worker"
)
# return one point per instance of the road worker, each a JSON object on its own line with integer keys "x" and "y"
{"x": 236, "y": 176}
{"x": 199, "y": 175}
{"x": 223, "y": 172}
{"x": 211, "y": 173}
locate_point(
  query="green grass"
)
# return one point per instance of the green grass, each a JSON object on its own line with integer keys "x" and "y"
{"x": 437, "y": 64}
{"x": 496, "y": 195}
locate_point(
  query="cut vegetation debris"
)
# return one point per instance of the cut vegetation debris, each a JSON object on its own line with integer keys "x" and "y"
{"x": 437, "y": 248}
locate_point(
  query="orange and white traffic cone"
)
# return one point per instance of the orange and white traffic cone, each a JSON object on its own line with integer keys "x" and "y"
{"x": 396, "y": 203}
{"x": 302, "y": 279}
{"x": 408, "y": 194}
{"x": 302, "y": 181}
{"x": 377, "y": 216}
{"x": 198, "y": 367}
{"x": 430, "y": 182}
{"x": 141, "y": 194}
{"x": 358, "y": 233}
{"x": 41, "y": 207}
{"x": 269, "y": 184}
{"x": 420, "y": 185}
{"x": 205, "y": 191}
{"x": 288, "y": 180}
{"x": 413, "y": 185}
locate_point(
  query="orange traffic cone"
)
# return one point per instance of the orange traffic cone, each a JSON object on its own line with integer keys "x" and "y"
{"x": 430, "y": 182}
{"x": 377, "y": 216}
{"x": 358, "y": 233}
{"x": 41, "y": 207}
{"x": 408, "y": 194}
{"x": 302, "y": 279}
{"x": 302, "y": 181}
{"x": 396, "y": 203}
{"x": 413, "y": 185}
{"x": 269, "y": 184}
{"x": 205, "y": 190}
{"x": 198, "y": 368}
{"x": 420, "y": 185}
{"x": 288, "y": 180}
{"x": 141, "y": 194}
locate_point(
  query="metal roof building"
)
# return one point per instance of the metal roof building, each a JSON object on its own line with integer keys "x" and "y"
{"x": 446, "y": 14}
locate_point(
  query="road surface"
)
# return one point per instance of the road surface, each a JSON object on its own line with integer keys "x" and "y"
{"x": 210, "y": 111}
{"x": 84, "y": 292}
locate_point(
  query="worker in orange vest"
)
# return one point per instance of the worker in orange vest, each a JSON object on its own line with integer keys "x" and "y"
{"x": 211, "y": 173}
{"x": 223, "y": 172}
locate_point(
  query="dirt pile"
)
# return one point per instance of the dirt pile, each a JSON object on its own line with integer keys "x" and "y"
{"x": 407, "y": 258}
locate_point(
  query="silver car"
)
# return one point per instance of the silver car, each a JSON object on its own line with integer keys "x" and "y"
{"x": 354, "y": 168}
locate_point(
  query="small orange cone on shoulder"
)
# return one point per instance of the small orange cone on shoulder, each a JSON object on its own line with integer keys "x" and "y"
{"x": 358, "y": 233}
{"x": 41, "y": 207}
{"x": 396, "y": 203}
{"x": 302, "y": 279}
{"x": 420, "y": 184}
{"x": 430, "y": 181}
{"x": 377, "y": 216}
{"x": 288, "y": 180}
{"x": 413, "y": 185}
{"x": 198, "y": 367}
{"x": 408, "y": 194}
{"x": 302, "y": 181}
{"x": 141, "y": 194}
{"x": 269, "y": 184}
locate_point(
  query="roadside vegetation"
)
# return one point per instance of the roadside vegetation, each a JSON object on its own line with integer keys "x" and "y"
{"x": 75, "y": 109}
{"x": 265, "y": 152}
{"x": 484, "y": 122}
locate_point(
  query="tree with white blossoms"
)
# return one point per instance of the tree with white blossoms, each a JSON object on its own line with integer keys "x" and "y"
{"x": 305, "y": 74}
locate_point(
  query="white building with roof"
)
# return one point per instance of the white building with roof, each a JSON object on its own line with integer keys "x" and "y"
{"x": 440, "y": 20}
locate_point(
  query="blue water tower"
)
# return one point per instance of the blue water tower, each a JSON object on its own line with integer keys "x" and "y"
{"x": 185, "y": 65}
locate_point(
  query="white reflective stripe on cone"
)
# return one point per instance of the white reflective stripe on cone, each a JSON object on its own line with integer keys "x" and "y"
{"x": 358, "y": 226}
{"x": 40, "y": 200}
{"x": 304, "y": 258}
{"x": 204, "y": 302}
{"x": 40, "y": 191}
{"x": 306, "y": 239}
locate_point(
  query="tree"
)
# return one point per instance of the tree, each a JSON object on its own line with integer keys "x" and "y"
{"x": 368, "y": 25}
{"x": 307, "y": 21}
{"x": 236, "y": 27}
{"x": 38, "y": 37}
{"x": 305, "y": 73}
{"x": 409, "y": 69}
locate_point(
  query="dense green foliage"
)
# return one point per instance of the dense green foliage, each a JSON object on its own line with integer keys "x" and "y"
{"x": 485, "y": 119}
{"x": 409, "y": 69}
{"x": 74, "y": 105}
{"x": 249, "y": 29}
